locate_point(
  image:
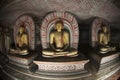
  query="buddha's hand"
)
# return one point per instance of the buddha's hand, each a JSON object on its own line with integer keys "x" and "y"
{"x": 59, "y": 50}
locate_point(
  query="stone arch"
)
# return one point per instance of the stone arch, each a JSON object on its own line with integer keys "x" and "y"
{"x": 96, "y": 26}
{"x": 30, "y": 27}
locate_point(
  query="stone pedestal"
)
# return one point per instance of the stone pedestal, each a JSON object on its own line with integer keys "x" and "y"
{"x": 62, "y": 66}
{"x": 23, "y": 74}
{"x": 113, "y": 56}
{"x": 107, "y": 69}
{"x": 100, "y": 61}
{"x": 22, "y": 61}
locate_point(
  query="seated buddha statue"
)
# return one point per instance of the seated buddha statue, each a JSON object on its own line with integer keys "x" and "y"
{"x": 104, "y": 38}
{"x": 21, "y": 42}
{"x": 59, "y": 41}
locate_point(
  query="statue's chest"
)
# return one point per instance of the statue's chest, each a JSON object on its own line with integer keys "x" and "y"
{"x": 105, "y": 36}
{"x": 58, "y": 35}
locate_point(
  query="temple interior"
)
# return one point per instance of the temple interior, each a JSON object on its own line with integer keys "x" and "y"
{"x": 59, "y": 39}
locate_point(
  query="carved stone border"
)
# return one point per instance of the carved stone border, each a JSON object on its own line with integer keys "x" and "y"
{"x": 61, "y": 66}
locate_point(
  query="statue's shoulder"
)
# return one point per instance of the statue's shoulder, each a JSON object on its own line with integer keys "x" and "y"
{"x": 101, "y": 33}
{"x": 66, "y": 32}
{"x": 52, "y": 33}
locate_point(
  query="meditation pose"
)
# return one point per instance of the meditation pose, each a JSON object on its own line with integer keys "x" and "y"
{"x": 21, "y": 42}
{"x": 104, "y": 38}
{"x": 59, "y": 41}
{"x": 22, "y": 38}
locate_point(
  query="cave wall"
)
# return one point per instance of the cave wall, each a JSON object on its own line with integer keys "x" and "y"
{"x": 83, "y": 10}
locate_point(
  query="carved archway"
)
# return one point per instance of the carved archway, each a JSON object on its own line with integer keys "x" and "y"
{"x": 30, "y": 27}
{"x": 96, "y": 26}
{"x": 70, "y": 23}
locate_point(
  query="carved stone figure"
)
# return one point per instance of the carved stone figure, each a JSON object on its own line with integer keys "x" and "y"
{"x": 21, "y": 42}
{"x": 104, "y": 39}
{"x": 59, "y": 41}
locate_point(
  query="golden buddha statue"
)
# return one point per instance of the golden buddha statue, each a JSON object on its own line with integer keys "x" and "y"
{"x": 21, "y": 41}
{"x": 59, "y": 41}
{"x": 104, "y": 38}
{"x": 22, "y": 38}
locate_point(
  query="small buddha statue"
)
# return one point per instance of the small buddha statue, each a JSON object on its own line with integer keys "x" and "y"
{"x": 59, "y": 41}
{"x": 21, "y": 42}
{"x": 104, "y": 39}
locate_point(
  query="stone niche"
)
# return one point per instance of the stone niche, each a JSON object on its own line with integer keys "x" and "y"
{"x": 18, "y": 58}
{"x": 29, "y": 24}
{"x": 70, "y": 23}
{"x": 62, "y": 65}
{"x": 103, "y": 61}
{"x": 95, "y": 28}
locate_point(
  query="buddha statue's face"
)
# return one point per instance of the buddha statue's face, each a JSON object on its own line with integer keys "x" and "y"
{"x": 21, "y": 30}
{"x": 59, "y": 27}
{"x": 105, "y": 29}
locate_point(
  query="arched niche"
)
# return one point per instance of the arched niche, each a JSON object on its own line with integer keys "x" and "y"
{"x": 29, "y": 26}
{"x": 95, "y": 28}
{"x": 70, "y": 23}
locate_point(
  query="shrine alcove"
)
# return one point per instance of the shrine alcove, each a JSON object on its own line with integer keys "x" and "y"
{"x": 28, "y": 23}
{"x": 96, "y": 27}
{"x": 70, "y": 24}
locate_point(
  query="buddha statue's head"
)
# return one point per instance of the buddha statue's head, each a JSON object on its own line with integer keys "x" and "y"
{"x": 59, "y": 25}
{"x": 21, "y": 29}
{"x": 104, "y": 28}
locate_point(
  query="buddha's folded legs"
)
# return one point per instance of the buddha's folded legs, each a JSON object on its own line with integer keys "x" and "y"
{"x": 107, "y": 49}
{"x": 19, "y": 52}
{"x": 47, "y": 53}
